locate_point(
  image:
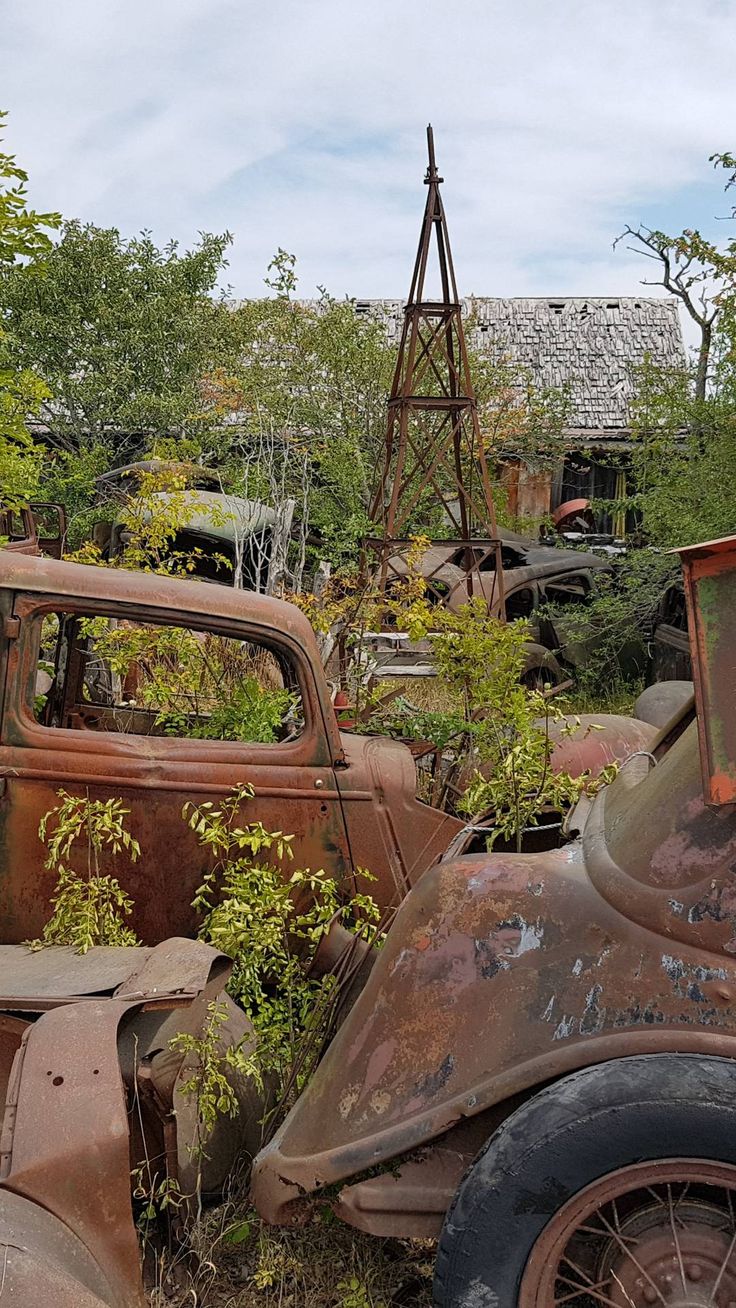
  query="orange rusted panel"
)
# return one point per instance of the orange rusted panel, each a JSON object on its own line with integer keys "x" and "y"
{"x": 709, "y": 572}
{"x": 503, "y": 972}
{"x": 349, "y": 803}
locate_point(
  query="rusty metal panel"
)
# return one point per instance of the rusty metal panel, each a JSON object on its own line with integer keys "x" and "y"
{"x": 119, "y": 587}
{"x": 43, "y": 1264}
{"x": 174, "y": 967}
{"x": 50, "y": 976}
{"x": 418, "y": 1194}
{"x": 596, "y": 741}
{"x": 503, "y": 972}
{"x": 709, "y": 572}
{"x": 391, "y": 832}
{"x": 65, "y": 1137}
{"x": 69, "y": 1137}
{"x": 38, "y": 980}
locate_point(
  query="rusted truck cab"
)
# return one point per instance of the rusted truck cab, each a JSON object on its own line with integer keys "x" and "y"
{"x": 558, "y": 1029}
{"x": 67, "y": 722}
{"x": 92, "y": 1084}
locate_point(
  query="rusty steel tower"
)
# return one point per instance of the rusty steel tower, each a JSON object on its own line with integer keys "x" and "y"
{"x": 434, "y": 451}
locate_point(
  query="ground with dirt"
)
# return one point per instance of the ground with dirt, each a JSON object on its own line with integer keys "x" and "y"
{"x": 324, "y": 1264}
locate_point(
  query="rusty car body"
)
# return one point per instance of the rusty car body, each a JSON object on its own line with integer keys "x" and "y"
{"x": 227, "y": 538}
{"x": 92, "y": 1092}
{"x": 669, "y": 644}
{"x": 539, "y": 580}
{"x": 350, "y": 801}
{"x": 501, "y": 980}
{"x": 525, "y": 564}
{"x": 37, "y": 528}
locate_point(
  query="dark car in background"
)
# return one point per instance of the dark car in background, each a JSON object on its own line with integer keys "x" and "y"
{"x": 543, "y": 584}
{"x": 669, "y": 646}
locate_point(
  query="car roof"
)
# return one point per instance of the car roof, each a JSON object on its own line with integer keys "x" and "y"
{"x": 194, "y": 598}
{"x": 537, "y": 560}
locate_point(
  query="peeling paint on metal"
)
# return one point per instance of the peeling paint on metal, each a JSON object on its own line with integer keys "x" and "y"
{"x": 565, "y": 1028}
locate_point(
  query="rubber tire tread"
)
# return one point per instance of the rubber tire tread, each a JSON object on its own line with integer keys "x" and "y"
{"x": 580, "y": 1128}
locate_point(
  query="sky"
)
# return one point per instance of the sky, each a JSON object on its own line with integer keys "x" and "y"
{"x": 301, "y": 124}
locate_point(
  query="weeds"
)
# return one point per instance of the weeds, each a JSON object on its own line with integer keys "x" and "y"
{"x": 89, "y": 908}
{"x": 245, "y": 1264}
{"x": 270, "y": 923}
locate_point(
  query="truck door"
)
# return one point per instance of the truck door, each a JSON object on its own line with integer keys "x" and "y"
{"x": 157, "y": 709}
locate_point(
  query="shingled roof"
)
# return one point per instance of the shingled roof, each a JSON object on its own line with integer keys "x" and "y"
{"x": 591, "y": 346}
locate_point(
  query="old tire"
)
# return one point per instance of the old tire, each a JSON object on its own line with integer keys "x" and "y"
{"x": 636, "y": 1137}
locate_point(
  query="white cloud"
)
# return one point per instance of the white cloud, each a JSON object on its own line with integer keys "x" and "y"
{"x": 300, "y": 123}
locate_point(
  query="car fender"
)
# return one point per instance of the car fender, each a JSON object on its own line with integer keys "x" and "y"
{"x": 500, "y": 973}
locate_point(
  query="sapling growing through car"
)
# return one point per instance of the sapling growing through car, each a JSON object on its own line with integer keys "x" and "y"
{"x": 508, "y": 755}
{"x": 270, "y": 922}
{"x": 89, "y": 907}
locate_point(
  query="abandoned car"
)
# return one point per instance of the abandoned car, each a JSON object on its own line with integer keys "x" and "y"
{"x": 541, "y": 584}
{"x": 226, "y": 538}
{"x": 543, "y": 1013}
{"x": 540, "y": 1069}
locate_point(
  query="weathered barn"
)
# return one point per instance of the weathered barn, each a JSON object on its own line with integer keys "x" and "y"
{"x": 591, "y": 347}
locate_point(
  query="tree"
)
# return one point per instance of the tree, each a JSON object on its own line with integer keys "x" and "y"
{"x": 684, "y": 457}
{"x": 24, "y": 241}
{"x": 318, "y": 374}
{"x": 701, "y": 274}
{"x": 122, "y": 333}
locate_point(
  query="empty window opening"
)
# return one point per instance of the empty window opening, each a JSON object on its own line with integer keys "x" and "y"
{"x": 100, "y": 673}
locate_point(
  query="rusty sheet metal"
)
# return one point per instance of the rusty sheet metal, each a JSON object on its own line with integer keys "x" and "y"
{"x": 294, "y": 780}
{"x": 119, "y": 587}
{"x": 69, "y": 1135}
{"x": 662, "y": 857}
{"x": 421, "y": 1190}
{"x": 12, "y": 1030}
{"x": 65, "y": 1138}
{"x": 46, "y": 977}
{"x": 43, "y": 1264}
{"x": 347, "y": 804}
{"x": 178, "y": 966}
{"x": 35, "y": 980}
{"x": 709, "y": 573}
{"x": 664, "y": 702}
{"x": 567, "y": 516}
{"x": 391, "y": 832}
{"x": 590, "y": 742}
{"x": 503, "y": 972}
{"x": 600, "y": 739}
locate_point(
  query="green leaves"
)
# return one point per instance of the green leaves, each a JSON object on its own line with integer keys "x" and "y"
{"x": 24, "y": 241}
{"x": 270, "y": 922}
{"x": 506, "y": 724}
{"x": 121, "y": 332}
{"x": 24, "y": 234}
{"x": 89, "y": 908}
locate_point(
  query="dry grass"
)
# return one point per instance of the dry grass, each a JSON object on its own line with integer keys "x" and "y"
{"x": 429, "y": 694}
{"x": 242, "y": 1263}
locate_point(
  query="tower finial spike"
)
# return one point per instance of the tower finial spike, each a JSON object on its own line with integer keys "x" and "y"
{"x": 431, "y": 174}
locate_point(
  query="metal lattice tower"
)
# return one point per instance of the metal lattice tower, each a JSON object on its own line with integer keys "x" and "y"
{"x": 433, "y": 440}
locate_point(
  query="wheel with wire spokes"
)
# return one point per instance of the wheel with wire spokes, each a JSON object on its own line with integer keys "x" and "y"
{"x": 614, "y": 1186}
{"x": 653, "y": 1233}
